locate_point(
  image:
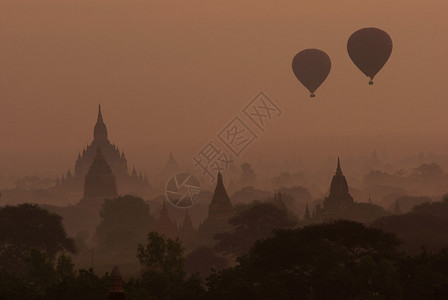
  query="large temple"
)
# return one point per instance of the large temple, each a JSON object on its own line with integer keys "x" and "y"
{"x": 340, "y": 204}
{"x": 127, "y": 182}
{"x": 116, "y": 160}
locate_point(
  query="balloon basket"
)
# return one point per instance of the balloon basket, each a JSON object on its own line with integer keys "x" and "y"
{"x": 371, "y": 82}
{"x": 312, "y": 95}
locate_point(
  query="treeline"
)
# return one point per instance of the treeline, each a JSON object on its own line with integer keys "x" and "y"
{"x": 338, "y": 260}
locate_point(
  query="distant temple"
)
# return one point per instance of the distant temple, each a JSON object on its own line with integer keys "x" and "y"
{"x": 117, "y": 162}
{"x": 116, "y": 291}
{"x": 170, "y": 169}
{"x": 220, "y": 211}
{"x": 340, "y": 204}
{"x": 164, "y": 225}
{"x": 339, "y": 198}
{"x": 187, "y": 232}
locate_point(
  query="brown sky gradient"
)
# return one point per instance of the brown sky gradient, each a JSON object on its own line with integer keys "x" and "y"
{"x": 170, "y": 74}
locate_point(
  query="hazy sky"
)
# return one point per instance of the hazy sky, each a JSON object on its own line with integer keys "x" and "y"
{"x": 171, "y": 74}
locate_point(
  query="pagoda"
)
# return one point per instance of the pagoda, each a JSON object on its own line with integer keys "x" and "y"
{"x": 187, "y": 233}
{"x": 164, "y": 225}
{"x": 220, "y": 211}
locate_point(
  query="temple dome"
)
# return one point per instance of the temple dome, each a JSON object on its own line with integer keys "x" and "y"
{"x": 339, "y": 184}
{"x": 339, "y": 197}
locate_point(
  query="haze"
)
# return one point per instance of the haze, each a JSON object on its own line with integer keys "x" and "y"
{"x": 171, "y": 74}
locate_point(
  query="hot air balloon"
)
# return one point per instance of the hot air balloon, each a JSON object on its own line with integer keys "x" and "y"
{"x": 369, "y": 49}
{"x": 311, "y": 67}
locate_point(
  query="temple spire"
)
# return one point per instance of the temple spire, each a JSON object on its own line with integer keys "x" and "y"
{"x": 220, "y": 201}
{"x": 165, "y": 225}
{"x": 100, "y": 130}
{"x": 100, "y": 116}
{"x": 338, "y": 169}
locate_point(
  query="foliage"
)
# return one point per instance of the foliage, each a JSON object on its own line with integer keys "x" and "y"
{"x": 161, "y": 254}
{"x": 28, "y": 226}
{"x": 248, "y": 176}
{"x": 203, "y": 260}
{"x": 428, "y": 171}
{"x": 253, "y": 222}
{"x": 164, "y": 277}
{"x": 425, "y": 276}
{"x": 44, "y": 279}
{"x": 339, "y": 260}
{"x": 124, "y": 220}
{"x": 425, "y": 226}
{"x": 315, "y": 262}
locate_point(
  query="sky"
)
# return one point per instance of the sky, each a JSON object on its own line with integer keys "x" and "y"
{"x": 171, "y": 74}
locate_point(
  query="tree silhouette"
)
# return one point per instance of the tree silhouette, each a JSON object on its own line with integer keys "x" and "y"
{"x": 315, "y": 262}
{"x": 163, "y": 276}
{"x": 248, "y": 177}
{"x": 125, "y": 220}
{"x": 253, "y": 222}
{"x": 28, "y": 226}
{"x": 161, "y": 254}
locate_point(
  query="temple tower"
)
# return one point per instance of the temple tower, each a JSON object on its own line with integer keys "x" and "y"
{"x": 339, "y": 197}
{"x": 116, "y": 291}
{"x": 116, "y": 160}
{"x": 165, "y": 225}
{"x": 220, "y": 211}
{"x": 187, "y": 231}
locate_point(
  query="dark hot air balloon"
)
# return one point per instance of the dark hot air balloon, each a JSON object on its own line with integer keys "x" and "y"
{"x": 311, "y": 67}
{"x": 369, "y": 49}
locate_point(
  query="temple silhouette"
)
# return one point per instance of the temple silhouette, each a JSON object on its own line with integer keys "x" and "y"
{"x": 220, "y": 211}
{"x": 339, "y": 204}
{"x": 99, "y": 183}
{"x": 126, "y": 182}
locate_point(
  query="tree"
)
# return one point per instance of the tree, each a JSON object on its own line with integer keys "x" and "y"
{"x": 425, "y": 225}
{"x": 315, "y": 262}
{"x": 253, "y": 222}
{"x": 425, "y": 276}
{"x": 248, "y": 176}
{"x": 164, "y": 277}
{"x": 161, "y": 254}
{"x": 125, "y": 220}
{"x": 428, "y": 171}
{"x": 28, "y": 226}
{"x": 202, "y": 260}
